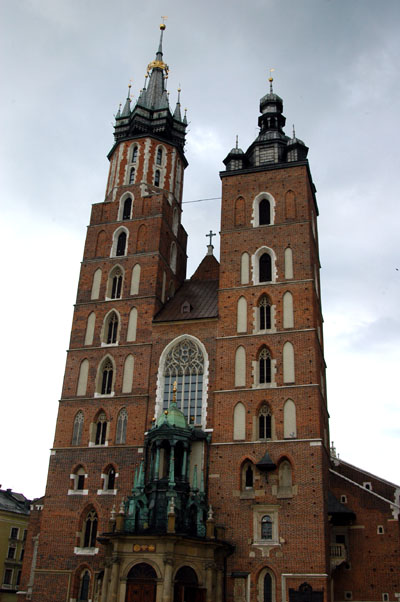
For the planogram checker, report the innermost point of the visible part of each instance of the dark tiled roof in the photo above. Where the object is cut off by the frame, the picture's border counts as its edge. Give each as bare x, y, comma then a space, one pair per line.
13, 502
198, 296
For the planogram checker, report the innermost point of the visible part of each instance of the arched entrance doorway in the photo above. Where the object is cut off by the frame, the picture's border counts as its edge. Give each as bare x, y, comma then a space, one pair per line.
141, 584
186, 587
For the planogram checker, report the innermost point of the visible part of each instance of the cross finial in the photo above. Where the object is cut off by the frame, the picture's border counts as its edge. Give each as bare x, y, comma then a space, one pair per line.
237, 141
271, 79
294, 132
211, 234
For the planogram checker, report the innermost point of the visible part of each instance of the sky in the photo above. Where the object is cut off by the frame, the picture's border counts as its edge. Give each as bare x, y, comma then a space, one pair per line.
65, 67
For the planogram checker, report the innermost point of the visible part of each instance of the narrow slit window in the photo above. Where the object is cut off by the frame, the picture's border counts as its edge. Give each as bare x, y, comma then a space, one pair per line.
265, 366
106, 378
126, 214
265, 314
132, 176
121, 244
157, 178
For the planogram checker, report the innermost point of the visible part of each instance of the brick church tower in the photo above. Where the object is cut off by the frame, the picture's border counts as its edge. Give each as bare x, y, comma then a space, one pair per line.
191, 458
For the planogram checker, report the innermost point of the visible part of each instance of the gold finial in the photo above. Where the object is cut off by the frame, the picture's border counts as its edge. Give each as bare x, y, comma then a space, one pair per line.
165, 412
162, 26
174, 387
271, 79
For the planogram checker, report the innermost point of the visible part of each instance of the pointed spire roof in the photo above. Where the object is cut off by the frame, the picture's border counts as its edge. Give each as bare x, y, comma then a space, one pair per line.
155, 96
127, 108
177, 112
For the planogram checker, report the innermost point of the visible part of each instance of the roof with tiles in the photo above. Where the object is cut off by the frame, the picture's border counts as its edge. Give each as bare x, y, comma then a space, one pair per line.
13, 502
197, 298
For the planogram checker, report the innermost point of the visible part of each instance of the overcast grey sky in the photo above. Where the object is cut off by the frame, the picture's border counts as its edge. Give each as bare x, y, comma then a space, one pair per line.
65, 67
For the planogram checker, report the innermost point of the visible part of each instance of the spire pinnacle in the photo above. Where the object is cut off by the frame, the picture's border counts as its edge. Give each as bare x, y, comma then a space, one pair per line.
237, 141
294, 132
271, 79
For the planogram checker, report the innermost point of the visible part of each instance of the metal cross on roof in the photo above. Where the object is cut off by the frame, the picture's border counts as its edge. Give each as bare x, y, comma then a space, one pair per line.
211, 234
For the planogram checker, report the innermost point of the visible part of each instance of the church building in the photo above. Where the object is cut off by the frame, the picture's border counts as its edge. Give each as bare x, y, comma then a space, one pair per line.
191, 459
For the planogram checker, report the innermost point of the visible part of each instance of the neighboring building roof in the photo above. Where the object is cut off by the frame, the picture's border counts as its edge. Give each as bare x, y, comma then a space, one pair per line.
13, 502
339, 512
196, 299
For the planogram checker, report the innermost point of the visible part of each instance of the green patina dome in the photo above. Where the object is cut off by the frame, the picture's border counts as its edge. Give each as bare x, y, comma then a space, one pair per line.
173, 417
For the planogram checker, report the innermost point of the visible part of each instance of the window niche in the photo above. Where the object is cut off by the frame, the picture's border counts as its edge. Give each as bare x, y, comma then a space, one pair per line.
109, 477
264, 266
87, 536
264, 423
265, 527
125, 209
78, 428
285, 488
122, 423
264, 315
264, 369
263, 210
105, 378
247, 478
115, 283
110, 331
99, 430
78, 482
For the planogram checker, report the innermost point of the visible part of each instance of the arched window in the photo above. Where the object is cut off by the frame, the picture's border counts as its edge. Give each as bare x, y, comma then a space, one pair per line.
265, 422
134, 154
241, 319
109, 481
264, 310
127, 209
264, 362
266, 527
101, 429
115, 283
90, 530
240, 367
84, 583
132, 175
184, 364
267, 593
90, 328
239, 422
111, 328
121, 244
247, 476
79, 477
107, 373
83, 377
78, 428
265, 268
159, 156
122, 422
157, 178
264, 209
173, 257
96, 284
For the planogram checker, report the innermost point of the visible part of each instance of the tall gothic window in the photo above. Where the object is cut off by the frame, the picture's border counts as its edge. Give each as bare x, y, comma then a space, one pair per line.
101, 430
264, 308
78, 427
126, 213
106, 378
84, 587
264, 422
157, 178
116, 284
122, 422
134, 154
185, 365
265, 366
111, 329
266, 527
132, 176
265, 268
90, 530
264, 212
159, 156
121, 244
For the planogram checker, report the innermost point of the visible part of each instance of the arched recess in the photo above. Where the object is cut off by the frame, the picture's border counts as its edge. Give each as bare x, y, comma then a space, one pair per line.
264, 208
247, 475
135, 280
78, 428
289, 420
96, 284
285, 479
239, 422
82, 584
175, 221
90, 324
264, 265
83, 377
266, 586
288, 319
101, 244
240, 212
186, 585
132, 325
128, 374
187, 355
290, 205
173, 255
141, 242
122, 423
241, 318
244, 268
240, 367
288, 263
288, 363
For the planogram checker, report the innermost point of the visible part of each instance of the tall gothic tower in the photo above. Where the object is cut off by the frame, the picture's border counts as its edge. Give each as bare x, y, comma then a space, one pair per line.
191, 456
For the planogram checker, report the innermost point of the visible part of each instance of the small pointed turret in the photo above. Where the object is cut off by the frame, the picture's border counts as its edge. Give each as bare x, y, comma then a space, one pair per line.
177, 112
127, 108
